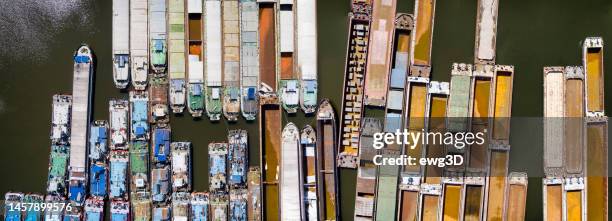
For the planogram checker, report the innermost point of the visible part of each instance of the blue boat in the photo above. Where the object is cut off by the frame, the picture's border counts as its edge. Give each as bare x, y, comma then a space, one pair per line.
238, 204
120, 210
94, 209
118, 174
98, 177
237, 157
217, 153
33, 214
139, 112
162, 213
161, 145
199, 206
12, 210
160, 185
98, 141
77, 190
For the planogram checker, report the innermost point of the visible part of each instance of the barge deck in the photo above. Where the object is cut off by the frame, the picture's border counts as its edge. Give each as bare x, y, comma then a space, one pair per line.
157, 37
486, 32
118, 188
231, 60
139, 43
327, 177
121, 43
195, 59
158, 105
217, 153
517, 196
213, 35
289, 179
139, 126
306, 43
270, 152
60, 119
118, 114
249, 67
308, 174
139, 166
238, 158
366, 183
176, 55
288, 85
423, 38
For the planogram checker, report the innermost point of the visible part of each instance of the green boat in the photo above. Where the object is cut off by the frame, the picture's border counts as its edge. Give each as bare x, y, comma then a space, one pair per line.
213, 103
139, 166
58, 163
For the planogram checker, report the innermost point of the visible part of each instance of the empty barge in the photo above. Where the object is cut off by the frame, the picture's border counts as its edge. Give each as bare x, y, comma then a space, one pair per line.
270, 131
486, 32
327, 177
422, 39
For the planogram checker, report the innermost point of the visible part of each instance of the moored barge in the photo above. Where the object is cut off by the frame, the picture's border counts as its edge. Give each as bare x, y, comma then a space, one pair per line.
139, 109
118, 175
270, 151
94, 209
249, 53
12, 201
139, 166
238, 204
308, 174
288, 84
118, 114
306, 43
422, 38
218, 206
176, 55
33, 214
139, 43
141, 206
58, 170
121, 43
180, 206
213, 35
181, 166
60, 119
195, 59
238, 157
217, 153
517, 196
119, 210
157, 36
327, 177
289, 179
199, 206
554, 93
231, 60
161, 146
254, 194
486, 32
52, 215
365, 191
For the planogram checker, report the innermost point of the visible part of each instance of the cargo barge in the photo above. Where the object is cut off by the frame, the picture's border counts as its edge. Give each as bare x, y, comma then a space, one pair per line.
139, 109
161, 146
219, 206
452, 183
355, 70
213, 35
217, 153
249, 53
94, 209
58, 169
517, 196
238, 157
574, 113
121, 43
60, 119
79, 124
33, 214
158, 105
176, 55
308, 174
238, 204
483, 94
254, 212
120, 210
118, 114
379, 56
12, 200
181, 166
195, 59
366, 184
157, 37
288, 84
139, 43
270, 151
593, 58
422, 39
180, 205
486, 32
199, 206
118, 175
98, 166
141, 206
161, 188
306, 61
139, 166
268, 51
289, 179
231, 60
327, 177
554, 108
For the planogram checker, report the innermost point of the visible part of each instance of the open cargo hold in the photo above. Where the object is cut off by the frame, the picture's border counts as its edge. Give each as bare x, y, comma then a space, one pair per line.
597, 168
195, 59
422, 39
270, 127
213, 36
517, 196
593, 59
365, 196
267, 45
327, 185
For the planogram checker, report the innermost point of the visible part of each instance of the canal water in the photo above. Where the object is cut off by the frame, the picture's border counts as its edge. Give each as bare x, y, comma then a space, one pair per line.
38, 38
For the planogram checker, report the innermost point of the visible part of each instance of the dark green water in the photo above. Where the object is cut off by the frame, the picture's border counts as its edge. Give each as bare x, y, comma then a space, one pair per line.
39, 37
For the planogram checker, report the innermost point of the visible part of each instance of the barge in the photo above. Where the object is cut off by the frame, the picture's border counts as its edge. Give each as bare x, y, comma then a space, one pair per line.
217, 153
160, 185
161, 146
139, 166
289, 179
213, 35
238, 204
366, 183
181, 166
141, 206
308, 174
355, 70
327, 177
176, 55
270, 151
238, 157
94, 209
517, 196
60, 119
268, 51
249, 53
486, 32
121, 43
306, 43
452, 183
288, 84
218, 206
254, 194
98, 142
574, 113
231, 60
139, 109
180, 205
157, 37
593, 58
483, 94
422, 38
98, 179
12, 200
118, 114
199, 206
118, 175
33, 214
58, 170
158, 105
554, 94
379, 56
162, 213
139, 43
195, 59
120, 210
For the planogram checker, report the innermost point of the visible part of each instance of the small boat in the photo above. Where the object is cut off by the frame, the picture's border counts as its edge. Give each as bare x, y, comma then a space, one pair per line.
181, 166
139, 166
98, 178
33, 214
249, 53
12, 208
199, 206
160, 184
60, 120
254, 194
213, 61
52, 215
58, 168
231, 60
306, 30
195, 63
157, 36
118, 109
218, 206
238, 157
289, 176
238, 204
98, 142
120, 210
121, 42
176, 55
118, 174
141, 206
308, 174
139, 43
94, 209
217, 153
139, 127
162, 212
161, 146
158, 105
180, 206
327, 178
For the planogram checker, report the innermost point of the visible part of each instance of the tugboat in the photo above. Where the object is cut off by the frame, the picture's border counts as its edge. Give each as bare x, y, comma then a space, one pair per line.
308, 173
157, 36
199, 206
139, 166
33, 214
327, 178
118, 109
94, 209
161, 146
52, 215
180, 205
141, 206
249, 53
138, 119
237, 157
121, 42
12, 210
181, 166
120, 210
118, 174
158, 107
217, 153
60, 120
195, 63
238, 204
